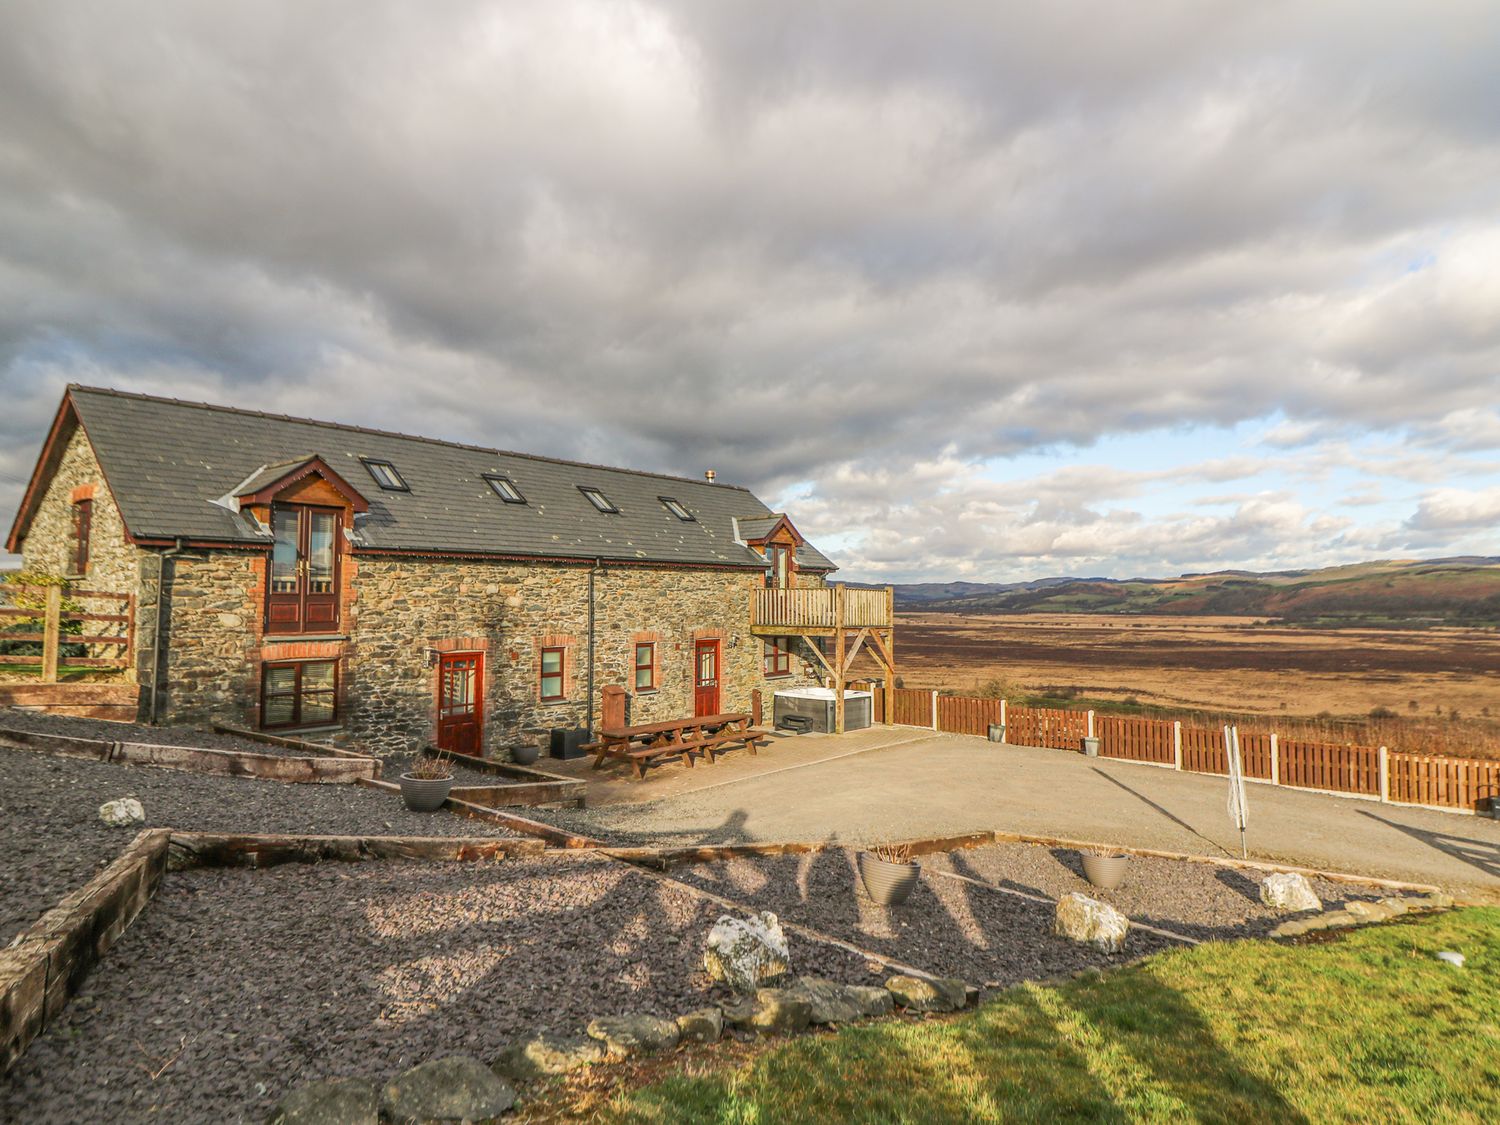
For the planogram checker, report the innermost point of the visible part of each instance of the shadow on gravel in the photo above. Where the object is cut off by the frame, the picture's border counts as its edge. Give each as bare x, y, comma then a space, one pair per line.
1173, 817
1240, 883
1485, 857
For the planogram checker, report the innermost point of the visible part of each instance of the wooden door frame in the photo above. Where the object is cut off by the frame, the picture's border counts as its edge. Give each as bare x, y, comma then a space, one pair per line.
464, 654
304, 537
718, 647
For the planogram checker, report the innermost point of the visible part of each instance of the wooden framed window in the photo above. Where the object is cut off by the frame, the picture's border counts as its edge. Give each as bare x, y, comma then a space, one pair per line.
299, 694
645, 666
83, 522
553, 685
778, 566
776, 657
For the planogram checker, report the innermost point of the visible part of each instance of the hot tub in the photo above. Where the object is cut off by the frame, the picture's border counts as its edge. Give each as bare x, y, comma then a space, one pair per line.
817, 703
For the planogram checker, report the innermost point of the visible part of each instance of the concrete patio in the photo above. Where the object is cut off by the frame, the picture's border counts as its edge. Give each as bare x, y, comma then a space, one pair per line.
903, 782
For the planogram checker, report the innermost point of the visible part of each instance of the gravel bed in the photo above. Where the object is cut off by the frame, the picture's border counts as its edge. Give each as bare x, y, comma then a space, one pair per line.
53, 841
946, 926
107, 730
1197, 899
264, 980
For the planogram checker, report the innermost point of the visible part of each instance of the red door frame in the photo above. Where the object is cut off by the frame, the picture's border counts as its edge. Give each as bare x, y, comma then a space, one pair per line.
706, 692
460, 731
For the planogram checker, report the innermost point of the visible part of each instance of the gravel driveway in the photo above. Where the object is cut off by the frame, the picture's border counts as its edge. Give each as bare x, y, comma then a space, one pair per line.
53, 840
264, 980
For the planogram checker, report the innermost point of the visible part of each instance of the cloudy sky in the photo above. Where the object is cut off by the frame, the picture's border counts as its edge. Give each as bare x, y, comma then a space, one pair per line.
976, 293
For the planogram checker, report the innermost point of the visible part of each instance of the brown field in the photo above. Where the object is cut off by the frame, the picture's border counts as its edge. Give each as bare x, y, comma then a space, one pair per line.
1220, 665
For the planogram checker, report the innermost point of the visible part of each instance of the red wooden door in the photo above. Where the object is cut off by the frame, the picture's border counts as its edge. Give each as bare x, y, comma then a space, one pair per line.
460, 722
705, 677
302, 595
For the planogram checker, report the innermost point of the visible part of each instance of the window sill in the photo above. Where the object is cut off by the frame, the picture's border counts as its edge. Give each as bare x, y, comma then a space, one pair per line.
301, 638
646, 690
778, 675
324, 729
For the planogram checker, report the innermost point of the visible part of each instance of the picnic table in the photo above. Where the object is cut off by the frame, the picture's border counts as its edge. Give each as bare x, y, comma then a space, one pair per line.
689, 737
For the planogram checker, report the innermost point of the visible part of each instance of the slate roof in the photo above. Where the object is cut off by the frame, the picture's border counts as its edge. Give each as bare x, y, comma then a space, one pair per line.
168, 461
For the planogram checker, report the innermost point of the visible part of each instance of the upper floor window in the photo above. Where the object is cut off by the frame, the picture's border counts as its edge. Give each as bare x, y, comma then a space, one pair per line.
778, 565
677, 509
505, 488
599, 500
302, 591
83, 522
385, 475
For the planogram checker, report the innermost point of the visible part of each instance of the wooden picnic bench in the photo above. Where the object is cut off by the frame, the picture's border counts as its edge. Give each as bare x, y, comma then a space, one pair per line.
699, 735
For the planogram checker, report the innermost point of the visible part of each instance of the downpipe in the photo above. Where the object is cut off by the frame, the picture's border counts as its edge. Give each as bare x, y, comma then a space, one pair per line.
589, 718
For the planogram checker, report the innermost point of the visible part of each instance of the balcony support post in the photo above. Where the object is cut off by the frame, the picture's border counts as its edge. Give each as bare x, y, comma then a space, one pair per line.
838, 658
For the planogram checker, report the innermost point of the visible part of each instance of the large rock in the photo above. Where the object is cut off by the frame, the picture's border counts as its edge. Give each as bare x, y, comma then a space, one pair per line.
635, 1034
746, 953
921, 994
122, 813
1289, 892
770, 1010
456, 1088
548, 1054
703, 1025
1091, 922
342, 1101
1370, 911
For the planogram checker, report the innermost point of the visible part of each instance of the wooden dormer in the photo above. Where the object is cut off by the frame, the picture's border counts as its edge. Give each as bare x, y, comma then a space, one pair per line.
778, 542
304, 480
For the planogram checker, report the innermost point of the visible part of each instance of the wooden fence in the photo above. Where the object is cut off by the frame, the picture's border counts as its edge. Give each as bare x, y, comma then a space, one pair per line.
1468, 784
98, 626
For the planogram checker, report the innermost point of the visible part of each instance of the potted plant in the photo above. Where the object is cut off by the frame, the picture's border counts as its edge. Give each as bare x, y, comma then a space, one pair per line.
425, 786
888, 872
526, 753
1105, 867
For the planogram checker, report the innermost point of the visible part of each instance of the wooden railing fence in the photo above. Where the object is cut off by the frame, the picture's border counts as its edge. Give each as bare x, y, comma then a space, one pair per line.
1465, 784
97, 627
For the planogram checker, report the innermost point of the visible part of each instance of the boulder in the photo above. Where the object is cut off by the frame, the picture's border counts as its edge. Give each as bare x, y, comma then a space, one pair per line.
746, 953
829, 1001
548, 1054
341, 1101
634, 1034
1395, 904
1295, 928
872, 1001
122, 813
703, 1025
939, 994
1424, 903
456, 1088
1289, 892
1091, 922
770, 1010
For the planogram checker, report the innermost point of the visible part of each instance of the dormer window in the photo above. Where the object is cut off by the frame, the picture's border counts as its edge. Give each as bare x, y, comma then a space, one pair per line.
677, 509
505, 488
385, 475
599, 500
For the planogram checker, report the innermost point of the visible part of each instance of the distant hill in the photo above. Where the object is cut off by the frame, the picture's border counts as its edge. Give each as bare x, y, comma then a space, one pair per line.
1391, 592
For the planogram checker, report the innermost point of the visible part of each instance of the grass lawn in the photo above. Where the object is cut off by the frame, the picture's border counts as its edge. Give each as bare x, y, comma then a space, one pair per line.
1369, 1027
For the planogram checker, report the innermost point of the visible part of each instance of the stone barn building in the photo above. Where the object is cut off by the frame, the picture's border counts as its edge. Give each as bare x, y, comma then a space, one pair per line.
393, 591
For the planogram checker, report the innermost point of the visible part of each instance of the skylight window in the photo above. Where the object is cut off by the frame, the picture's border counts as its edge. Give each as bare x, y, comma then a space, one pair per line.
385, 475
599, 500
505, 488
677, 509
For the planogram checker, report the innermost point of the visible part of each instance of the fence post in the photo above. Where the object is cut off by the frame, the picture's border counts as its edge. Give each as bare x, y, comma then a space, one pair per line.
1091, 724
1385, 775
1275, 761
1177, 746
50, 630
934, 711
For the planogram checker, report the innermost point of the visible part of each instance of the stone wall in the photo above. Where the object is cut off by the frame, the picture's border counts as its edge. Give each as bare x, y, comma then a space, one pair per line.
401, 613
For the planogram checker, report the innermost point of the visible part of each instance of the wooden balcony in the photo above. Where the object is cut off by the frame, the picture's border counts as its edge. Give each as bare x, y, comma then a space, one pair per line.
820, 610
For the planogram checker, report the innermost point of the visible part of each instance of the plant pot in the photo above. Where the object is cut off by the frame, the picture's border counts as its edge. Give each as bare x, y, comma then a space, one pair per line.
525, 753
887, 883
1105, 871
997, 732
1091, 747
425, 794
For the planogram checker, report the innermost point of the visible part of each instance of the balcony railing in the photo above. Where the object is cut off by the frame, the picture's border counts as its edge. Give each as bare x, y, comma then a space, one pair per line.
821, 608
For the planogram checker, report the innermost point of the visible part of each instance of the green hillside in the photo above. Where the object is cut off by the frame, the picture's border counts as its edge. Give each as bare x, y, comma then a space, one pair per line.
1385, 593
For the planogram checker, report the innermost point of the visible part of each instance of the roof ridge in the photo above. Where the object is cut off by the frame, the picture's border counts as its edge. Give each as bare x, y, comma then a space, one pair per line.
73, 387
